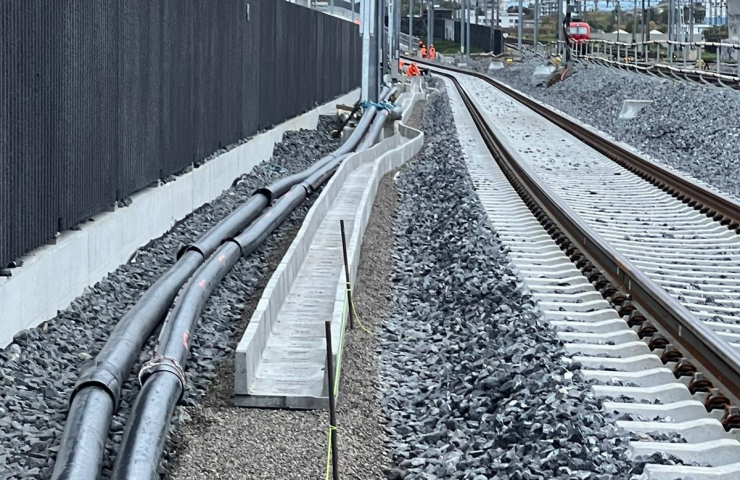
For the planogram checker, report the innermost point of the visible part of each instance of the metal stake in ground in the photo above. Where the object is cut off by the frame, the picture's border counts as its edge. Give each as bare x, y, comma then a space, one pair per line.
332, 408
350, 306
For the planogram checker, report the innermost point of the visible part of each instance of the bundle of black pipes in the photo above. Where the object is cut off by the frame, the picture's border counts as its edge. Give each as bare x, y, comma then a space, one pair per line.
97, 393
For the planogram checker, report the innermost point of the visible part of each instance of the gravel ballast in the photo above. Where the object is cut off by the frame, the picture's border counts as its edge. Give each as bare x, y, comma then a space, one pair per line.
474, 384
38, 370
693, 128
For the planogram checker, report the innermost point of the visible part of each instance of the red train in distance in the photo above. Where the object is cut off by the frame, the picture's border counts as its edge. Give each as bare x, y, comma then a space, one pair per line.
579, 31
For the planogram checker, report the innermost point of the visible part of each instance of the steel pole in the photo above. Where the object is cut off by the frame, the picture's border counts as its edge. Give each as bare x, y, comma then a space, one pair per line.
670, 30
536, 22
411, 25
430, 23
467, 31
691, 20
463, 7
382, 43
368, 23
634, 22
560, 26
520, 30
393, 29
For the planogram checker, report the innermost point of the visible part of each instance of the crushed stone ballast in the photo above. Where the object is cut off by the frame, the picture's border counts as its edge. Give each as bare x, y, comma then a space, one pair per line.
612, 354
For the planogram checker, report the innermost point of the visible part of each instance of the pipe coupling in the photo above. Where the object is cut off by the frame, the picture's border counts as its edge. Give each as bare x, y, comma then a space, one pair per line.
103, 376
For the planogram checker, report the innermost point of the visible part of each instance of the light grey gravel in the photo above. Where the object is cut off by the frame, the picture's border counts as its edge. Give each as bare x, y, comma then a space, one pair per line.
475, 384
38, 370
695, 129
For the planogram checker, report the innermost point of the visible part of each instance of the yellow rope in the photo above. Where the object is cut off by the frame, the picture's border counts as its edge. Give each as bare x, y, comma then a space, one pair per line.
345, 311
328, 451
354, 309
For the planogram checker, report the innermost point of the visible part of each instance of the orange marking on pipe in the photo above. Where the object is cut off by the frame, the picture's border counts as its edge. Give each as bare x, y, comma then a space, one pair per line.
202, 283
185, 337
222, 258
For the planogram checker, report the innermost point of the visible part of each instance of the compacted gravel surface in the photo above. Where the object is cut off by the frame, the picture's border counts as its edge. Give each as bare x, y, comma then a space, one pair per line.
475, 385
695, 129
38, 370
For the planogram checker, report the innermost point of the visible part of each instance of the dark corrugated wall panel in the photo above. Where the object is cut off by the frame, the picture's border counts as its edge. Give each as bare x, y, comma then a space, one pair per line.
101, 98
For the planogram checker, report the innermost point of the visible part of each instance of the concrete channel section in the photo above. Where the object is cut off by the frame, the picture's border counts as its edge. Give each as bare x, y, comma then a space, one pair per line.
281, 359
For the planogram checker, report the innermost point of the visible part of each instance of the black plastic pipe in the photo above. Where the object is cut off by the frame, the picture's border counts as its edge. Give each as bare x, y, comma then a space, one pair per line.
83, 441
97, 392
163, 376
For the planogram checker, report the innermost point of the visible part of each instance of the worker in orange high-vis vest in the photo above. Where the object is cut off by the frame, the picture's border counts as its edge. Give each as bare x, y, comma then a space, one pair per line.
400, 65
413, 71
423, 51
432, 52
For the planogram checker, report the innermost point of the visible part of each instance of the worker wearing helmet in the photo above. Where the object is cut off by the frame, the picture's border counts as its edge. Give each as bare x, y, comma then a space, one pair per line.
432, 52
423, 51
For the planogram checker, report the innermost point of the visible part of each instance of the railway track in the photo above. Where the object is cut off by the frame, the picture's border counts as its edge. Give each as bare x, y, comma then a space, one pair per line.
702, 77
643, 292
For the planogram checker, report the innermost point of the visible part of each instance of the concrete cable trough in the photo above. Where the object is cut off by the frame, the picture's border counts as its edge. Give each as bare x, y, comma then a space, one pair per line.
634, 376
281, 359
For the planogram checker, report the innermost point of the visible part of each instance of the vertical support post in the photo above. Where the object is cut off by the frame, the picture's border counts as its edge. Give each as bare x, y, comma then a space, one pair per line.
463, 8
719, 59
698, 55
692, 6
520, 31
647, 34
498, 13
332, 406
642, 32
536, 23
634, 22
394, 27
397, 35
670, 30
411, 25
560, 27
350, 305
368, 31
382, 43
467, 31
430, 22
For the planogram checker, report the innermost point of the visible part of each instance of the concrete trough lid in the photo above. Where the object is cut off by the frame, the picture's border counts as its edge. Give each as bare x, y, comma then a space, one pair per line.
631, 108
495, 65
542, 74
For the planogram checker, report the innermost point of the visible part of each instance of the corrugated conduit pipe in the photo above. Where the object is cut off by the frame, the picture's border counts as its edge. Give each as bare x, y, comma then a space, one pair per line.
97, 392
163, 380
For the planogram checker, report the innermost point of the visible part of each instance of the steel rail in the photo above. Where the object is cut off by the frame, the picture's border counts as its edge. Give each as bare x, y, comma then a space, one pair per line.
723, 209
714, 354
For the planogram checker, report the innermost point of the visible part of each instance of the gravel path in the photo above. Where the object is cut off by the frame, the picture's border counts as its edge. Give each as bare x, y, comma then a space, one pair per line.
475, 385
38, 370
691, 128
